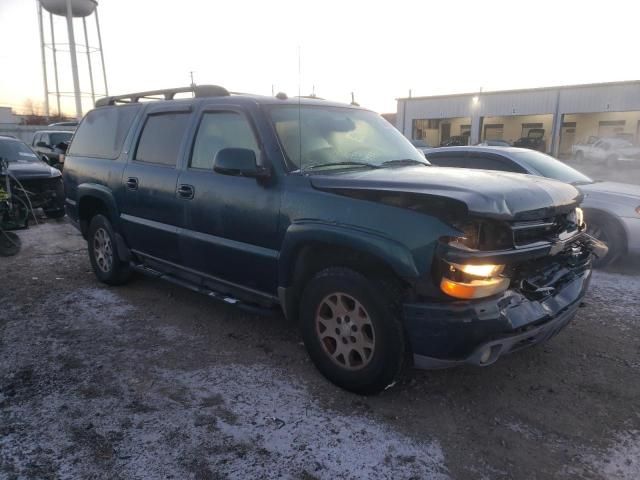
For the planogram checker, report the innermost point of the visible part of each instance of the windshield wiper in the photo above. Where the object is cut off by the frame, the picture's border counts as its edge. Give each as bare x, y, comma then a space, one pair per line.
345, 164
404, 161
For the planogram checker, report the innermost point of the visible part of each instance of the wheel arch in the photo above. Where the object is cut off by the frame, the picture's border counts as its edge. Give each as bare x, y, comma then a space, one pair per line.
308, 249
95, 199
609, 215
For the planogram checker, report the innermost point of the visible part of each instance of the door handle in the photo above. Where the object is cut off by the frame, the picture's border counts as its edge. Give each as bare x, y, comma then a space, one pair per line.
132, 183
186, 191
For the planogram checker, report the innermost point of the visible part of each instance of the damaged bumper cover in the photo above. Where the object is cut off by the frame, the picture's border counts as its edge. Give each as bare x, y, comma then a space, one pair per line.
478, 332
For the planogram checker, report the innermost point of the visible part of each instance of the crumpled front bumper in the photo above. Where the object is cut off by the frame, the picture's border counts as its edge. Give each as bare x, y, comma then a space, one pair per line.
478, 332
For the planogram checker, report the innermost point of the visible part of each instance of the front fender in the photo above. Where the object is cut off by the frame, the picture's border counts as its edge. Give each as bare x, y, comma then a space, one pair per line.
304, 232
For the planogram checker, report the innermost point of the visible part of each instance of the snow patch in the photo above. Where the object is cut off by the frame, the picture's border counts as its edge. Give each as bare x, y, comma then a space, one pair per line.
622, 459
266, 427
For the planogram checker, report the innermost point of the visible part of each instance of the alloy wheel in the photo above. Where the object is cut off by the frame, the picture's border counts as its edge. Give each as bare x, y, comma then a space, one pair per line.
345, 331
103, 250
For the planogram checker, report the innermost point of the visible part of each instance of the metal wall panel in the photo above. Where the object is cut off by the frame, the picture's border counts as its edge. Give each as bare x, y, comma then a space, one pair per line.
601, 98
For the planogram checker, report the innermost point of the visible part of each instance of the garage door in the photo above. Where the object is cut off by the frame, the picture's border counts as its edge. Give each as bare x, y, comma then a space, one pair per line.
493, 131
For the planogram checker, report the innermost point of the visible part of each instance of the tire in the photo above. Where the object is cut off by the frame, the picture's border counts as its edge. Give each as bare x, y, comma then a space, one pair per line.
579, 156
103, 253
606, 229
341, 305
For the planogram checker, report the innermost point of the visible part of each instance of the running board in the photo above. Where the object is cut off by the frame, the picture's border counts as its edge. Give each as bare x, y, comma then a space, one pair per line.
229, 300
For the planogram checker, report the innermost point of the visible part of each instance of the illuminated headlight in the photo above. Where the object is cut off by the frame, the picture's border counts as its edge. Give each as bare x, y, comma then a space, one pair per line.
482, 271
473, 281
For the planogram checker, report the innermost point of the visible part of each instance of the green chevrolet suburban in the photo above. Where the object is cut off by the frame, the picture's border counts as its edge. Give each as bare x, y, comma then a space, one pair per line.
326, 212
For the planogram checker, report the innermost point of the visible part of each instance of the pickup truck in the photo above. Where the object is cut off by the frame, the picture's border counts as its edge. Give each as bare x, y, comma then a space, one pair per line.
533, 141
611, 151
327, 213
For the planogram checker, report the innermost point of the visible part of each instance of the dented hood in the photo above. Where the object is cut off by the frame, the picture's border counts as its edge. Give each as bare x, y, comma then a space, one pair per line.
505, 196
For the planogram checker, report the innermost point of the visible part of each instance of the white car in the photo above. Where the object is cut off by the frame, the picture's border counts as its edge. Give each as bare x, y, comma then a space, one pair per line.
607, 150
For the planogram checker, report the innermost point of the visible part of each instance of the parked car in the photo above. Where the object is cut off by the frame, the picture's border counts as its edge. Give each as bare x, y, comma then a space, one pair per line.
421, 145
456, 140
611, 209
533, 141
34, 182
494, 143
611, 151
52, 145
327, 212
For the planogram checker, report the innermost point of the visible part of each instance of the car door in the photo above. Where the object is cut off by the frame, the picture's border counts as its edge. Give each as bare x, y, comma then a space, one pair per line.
43, 146
231, 231
599, 150
151, 213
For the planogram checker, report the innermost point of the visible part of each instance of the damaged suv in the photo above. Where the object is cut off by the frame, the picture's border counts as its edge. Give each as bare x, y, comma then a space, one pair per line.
327, 212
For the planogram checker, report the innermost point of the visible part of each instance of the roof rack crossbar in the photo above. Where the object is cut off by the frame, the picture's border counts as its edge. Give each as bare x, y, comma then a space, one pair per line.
167, 94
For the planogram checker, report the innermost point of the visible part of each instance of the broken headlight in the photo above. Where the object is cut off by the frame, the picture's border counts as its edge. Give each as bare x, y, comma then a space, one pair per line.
482, 235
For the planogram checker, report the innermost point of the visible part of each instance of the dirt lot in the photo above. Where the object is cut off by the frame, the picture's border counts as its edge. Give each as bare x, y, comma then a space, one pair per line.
154, 381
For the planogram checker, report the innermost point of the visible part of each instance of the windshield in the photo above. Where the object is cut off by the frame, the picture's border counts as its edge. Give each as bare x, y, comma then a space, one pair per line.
549, 167
333, 136
15, 151
61, 137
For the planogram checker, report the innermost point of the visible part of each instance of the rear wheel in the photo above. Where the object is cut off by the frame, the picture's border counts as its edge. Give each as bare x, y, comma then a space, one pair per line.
607, 230
352, 330
612, 161
105, 261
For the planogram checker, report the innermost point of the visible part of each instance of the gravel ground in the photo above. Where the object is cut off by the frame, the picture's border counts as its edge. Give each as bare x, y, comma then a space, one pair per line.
154, 381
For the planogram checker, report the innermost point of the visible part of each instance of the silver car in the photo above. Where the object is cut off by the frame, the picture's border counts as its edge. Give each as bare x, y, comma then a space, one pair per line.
612, 209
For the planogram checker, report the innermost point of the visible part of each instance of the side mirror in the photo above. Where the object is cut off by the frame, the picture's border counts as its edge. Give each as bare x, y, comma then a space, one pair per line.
41, 144
238, 162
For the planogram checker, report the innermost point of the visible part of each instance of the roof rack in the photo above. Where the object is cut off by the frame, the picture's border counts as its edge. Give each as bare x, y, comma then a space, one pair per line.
167, 94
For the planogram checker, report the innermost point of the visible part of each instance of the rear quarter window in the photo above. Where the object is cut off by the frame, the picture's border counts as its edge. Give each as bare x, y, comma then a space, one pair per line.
102, 132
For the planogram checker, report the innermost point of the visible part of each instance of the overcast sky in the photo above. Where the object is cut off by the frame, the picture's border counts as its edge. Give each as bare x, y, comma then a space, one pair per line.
378, 49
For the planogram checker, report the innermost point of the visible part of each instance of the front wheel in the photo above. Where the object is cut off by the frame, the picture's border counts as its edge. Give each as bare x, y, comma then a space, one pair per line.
352, 330
105, 261
607, 230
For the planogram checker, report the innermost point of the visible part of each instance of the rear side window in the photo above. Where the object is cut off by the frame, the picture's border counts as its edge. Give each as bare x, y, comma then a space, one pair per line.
220, 130
448, 160
161, 138
102, 132
484, 162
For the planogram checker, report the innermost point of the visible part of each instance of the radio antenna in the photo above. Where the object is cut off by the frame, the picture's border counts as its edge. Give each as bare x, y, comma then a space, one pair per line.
299, 106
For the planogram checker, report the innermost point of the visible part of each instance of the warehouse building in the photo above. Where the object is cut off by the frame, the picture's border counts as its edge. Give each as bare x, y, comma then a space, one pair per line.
567, 114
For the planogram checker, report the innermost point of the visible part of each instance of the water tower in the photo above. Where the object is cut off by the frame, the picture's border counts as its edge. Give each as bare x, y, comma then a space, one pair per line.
71, 10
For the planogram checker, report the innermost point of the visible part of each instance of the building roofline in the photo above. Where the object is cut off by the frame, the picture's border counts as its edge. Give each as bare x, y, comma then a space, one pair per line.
521, 90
